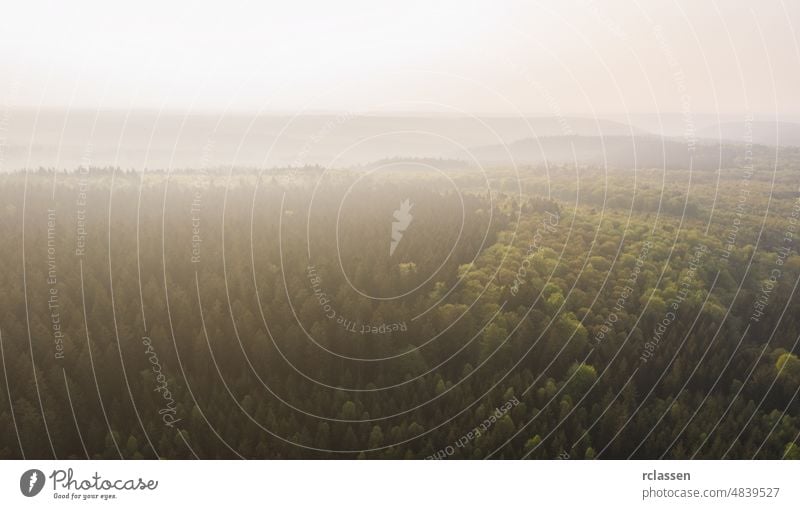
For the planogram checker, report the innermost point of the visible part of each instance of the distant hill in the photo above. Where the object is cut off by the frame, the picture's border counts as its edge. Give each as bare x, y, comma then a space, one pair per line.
613, 151
760, 132
153, 140
417, 163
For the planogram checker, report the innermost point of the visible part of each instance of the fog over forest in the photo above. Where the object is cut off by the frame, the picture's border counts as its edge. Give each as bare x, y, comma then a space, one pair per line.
436, 230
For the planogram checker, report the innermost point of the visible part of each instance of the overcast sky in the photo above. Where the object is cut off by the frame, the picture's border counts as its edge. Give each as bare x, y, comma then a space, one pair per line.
494, 57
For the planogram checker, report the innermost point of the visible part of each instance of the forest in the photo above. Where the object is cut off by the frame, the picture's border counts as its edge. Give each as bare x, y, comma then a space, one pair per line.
402, 311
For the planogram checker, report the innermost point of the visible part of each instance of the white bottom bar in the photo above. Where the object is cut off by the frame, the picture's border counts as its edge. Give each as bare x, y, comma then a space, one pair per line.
410, 484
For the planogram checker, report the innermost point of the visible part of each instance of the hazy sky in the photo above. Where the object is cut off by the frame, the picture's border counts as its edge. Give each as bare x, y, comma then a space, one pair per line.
549, 57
